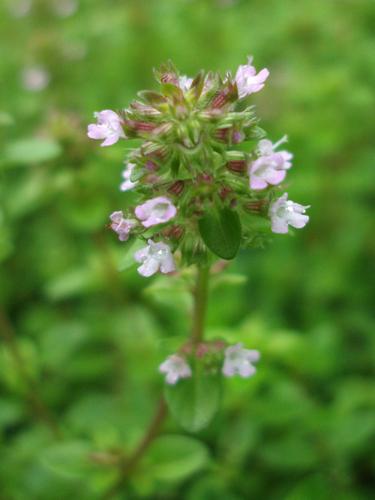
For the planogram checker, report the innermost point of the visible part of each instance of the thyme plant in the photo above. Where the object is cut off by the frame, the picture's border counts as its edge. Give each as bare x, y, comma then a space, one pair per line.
207, 183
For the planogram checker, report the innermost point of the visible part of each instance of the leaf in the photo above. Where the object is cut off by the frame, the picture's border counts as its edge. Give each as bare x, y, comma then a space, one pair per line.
228, 279
10, 412
137, 173
170, 90
153, 98
197, 84
70, 459
127, 259
176, 457
32, 150
221, 232
193, 402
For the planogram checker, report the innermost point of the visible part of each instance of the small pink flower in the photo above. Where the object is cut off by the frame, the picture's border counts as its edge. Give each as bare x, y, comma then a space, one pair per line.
155, 257
270, 167
248, 81
284, 213
238, 361
155, 211
108, 127
175, 367
121, 226
128, 184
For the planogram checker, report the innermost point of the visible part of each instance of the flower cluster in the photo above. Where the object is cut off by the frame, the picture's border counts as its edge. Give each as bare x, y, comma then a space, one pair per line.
237, 361
202, 169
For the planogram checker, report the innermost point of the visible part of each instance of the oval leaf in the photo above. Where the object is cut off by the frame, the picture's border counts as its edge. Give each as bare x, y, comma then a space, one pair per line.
70, 459
33, 150
193, 402
175, 457
221, 232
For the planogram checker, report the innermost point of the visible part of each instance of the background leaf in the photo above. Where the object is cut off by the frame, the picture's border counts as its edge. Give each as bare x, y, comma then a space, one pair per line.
33, 150
174, 457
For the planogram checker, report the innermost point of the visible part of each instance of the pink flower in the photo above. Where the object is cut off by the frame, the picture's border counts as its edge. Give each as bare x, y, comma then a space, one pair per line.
284, 213
248, 81
108, 127
121, 226
155, 211
175, 367
238, 361
270, 167
155, 257
128, 184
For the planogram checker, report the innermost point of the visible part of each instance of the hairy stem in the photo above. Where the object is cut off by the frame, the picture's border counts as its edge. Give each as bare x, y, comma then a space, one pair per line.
38, 407
200, 296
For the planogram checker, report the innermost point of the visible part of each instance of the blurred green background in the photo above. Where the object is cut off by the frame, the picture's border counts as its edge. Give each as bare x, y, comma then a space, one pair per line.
86, 339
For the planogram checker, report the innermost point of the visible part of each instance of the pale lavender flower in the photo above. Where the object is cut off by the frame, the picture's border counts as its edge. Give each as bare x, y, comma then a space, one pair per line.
35, 78
270, 167
155, 257
284, 213
128, 184
65, 8
238, 361
185, 82
19, 8
248, 81
175, 367
121, 226
155, 211
108, 127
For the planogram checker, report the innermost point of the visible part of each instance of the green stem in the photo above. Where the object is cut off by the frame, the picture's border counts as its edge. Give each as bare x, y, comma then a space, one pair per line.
200, 296
128, 464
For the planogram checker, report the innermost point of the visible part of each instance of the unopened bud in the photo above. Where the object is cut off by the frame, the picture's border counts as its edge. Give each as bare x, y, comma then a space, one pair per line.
255, 206
177, 187
224, 96
237, 166
174, 232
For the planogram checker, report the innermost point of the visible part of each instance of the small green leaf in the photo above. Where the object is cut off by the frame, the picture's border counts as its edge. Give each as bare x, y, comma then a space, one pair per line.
69, 459
33, 150
228, 279
175, 457
170, 90
194, 401
221, 232
137, 173
153, 98
127, 259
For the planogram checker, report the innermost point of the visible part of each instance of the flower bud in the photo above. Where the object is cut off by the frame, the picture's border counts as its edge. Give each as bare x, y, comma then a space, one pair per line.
177, 188
237, 166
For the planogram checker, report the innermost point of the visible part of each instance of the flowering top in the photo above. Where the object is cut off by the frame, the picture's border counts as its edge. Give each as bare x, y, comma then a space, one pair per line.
202, 171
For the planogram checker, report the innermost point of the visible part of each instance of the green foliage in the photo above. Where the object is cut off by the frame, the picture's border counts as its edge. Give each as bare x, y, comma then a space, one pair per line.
194, 401
91, 338
221, 232
173, 458
29, 151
